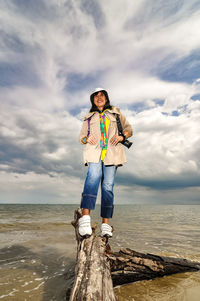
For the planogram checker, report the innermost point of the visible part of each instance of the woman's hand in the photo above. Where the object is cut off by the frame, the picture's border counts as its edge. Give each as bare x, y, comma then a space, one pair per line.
91, 140
116, 139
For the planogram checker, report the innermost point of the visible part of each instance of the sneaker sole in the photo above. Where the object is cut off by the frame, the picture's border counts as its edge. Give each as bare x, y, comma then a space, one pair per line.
85, 236
106, 235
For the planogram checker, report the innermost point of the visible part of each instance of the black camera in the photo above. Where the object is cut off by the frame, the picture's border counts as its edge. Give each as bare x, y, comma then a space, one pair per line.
127, 143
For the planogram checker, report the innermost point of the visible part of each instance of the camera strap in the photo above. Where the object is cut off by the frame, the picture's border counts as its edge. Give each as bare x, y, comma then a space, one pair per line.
120, 132
119, 125
88, 134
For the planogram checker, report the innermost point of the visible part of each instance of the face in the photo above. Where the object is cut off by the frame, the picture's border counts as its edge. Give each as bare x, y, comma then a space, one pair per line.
99, 99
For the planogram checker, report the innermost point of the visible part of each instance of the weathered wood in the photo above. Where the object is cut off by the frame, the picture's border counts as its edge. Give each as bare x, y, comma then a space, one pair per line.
129, 266
98, 269
92, 273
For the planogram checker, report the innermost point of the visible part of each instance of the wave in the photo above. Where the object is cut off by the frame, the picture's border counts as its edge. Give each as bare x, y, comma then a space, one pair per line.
32, 226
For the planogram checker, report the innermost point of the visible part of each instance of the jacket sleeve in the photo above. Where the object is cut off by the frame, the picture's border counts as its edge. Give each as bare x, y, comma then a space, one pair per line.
84, 131
126, 126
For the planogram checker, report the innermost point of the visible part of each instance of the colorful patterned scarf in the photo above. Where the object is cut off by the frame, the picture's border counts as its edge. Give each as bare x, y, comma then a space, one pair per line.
104, 136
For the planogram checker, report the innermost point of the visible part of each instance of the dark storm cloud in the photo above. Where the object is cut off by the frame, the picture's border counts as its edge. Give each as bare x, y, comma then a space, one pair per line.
29, 146
172, 183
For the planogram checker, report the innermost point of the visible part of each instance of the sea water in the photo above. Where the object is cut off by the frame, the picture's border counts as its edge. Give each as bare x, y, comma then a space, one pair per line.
38, 249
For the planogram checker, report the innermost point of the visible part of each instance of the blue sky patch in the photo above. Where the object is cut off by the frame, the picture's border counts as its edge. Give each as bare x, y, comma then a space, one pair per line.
141, 106
77, 81
195, 97
184, 70
18, 74
175, 113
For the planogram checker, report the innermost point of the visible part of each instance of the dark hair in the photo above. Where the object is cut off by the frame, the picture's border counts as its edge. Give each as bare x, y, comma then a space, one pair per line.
107, 104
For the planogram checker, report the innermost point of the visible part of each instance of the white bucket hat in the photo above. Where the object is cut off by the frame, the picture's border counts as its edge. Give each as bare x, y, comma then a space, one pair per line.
97, 90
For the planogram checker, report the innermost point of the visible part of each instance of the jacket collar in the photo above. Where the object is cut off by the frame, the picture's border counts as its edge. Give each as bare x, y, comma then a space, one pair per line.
114, 110
88, 115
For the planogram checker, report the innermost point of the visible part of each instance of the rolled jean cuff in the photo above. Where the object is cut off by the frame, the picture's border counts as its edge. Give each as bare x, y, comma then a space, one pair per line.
107, 211
88, 201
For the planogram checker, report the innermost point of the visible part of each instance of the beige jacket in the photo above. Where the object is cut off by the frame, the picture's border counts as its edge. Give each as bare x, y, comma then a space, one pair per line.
115, 154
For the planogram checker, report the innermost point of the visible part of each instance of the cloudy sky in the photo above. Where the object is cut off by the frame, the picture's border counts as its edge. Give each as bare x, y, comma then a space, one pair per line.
53, 53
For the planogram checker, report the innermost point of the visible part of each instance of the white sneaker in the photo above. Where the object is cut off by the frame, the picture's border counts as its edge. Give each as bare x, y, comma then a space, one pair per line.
84, 228
106, 230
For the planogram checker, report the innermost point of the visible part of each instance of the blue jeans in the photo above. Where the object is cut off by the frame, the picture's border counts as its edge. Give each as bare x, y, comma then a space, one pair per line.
106, 174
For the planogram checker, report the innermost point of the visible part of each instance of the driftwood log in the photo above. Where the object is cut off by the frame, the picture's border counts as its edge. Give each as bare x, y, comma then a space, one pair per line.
98, 269
92, 273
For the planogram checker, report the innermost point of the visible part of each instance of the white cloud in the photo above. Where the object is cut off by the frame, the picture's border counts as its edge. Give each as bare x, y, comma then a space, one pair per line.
126, 89
165, 147
37, 188
54, 53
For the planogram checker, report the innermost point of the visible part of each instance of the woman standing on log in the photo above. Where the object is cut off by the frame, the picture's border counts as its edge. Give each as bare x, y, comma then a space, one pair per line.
103, 152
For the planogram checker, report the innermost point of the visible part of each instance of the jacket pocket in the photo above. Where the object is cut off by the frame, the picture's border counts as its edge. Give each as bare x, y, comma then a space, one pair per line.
113, 130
